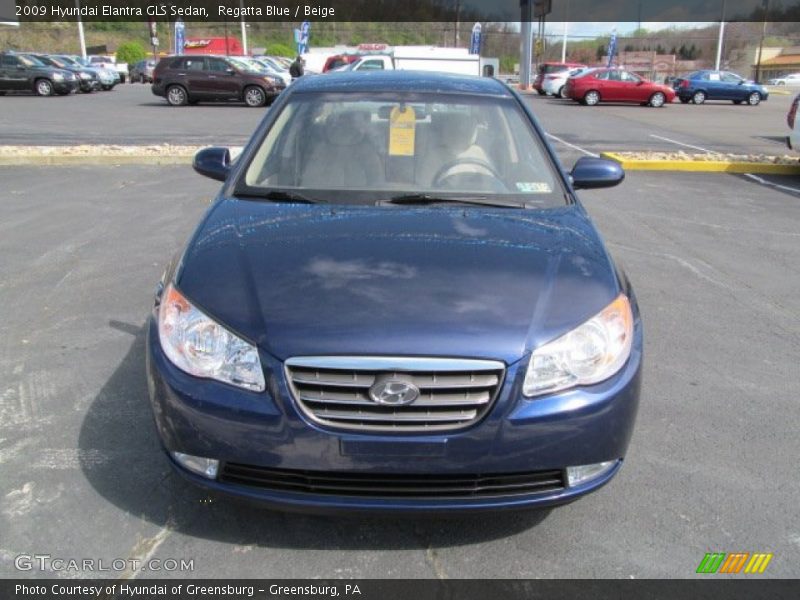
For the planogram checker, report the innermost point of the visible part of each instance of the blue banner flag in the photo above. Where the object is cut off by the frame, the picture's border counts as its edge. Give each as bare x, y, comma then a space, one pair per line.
475, 40
612, 49
180, 36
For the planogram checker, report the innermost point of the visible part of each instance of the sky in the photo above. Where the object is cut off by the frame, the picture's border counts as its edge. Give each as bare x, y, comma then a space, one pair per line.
576, 28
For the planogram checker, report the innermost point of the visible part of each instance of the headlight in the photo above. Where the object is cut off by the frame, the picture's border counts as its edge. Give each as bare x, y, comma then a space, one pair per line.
588, 354
202, 347
58, 76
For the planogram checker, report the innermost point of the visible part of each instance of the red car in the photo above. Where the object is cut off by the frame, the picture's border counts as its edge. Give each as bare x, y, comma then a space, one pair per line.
549, 68
617, 85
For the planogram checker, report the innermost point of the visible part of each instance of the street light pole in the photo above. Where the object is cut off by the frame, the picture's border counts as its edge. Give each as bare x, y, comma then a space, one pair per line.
80, 30
244, 27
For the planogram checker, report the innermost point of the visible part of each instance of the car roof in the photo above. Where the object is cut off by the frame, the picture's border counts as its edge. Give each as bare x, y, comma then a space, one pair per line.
400, 81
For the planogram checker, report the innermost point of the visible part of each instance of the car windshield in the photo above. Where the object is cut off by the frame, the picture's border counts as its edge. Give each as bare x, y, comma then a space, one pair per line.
358, 148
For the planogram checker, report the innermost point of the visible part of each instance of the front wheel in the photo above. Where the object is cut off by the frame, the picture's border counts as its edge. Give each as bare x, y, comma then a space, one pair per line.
177, 96
699, 97
562, 92
44, 87
754, 99
657, 100
254, 96
591, 98
541, 92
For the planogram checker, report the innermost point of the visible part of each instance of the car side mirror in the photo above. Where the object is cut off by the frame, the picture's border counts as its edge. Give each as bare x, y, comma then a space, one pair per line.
213, 162
20, 67
230, 71
590, 172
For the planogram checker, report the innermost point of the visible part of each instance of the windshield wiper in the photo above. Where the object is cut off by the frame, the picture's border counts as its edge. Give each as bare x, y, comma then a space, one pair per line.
282, 196
432, 199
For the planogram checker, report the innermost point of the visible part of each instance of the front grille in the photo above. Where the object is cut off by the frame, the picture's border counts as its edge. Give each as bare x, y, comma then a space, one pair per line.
393, 486
335, 391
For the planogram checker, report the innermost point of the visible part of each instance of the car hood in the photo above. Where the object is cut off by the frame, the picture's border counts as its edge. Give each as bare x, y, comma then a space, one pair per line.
435, 281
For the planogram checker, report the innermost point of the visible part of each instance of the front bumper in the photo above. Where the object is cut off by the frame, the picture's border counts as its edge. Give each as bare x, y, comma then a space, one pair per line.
66, 86
577, 427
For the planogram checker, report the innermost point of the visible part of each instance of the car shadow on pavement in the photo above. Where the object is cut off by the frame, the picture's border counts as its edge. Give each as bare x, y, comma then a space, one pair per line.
136, 477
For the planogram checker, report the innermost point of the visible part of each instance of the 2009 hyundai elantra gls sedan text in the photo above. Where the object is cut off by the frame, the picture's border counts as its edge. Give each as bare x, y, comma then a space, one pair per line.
396, 303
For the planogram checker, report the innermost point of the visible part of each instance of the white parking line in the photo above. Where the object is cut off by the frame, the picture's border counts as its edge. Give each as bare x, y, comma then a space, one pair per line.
666, 139
758, 179
573, 146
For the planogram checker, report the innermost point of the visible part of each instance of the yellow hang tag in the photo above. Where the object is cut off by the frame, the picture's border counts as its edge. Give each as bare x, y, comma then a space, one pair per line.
402, 127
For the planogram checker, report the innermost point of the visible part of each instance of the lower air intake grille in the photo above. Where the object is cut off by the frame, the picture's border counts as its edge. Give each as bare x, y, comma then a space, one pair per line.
344, 392
393, 486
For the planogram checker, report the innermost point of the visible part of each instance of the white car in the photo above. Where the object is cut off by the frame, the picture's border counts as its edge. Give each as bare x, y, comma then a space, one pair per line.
553, 84
792, 79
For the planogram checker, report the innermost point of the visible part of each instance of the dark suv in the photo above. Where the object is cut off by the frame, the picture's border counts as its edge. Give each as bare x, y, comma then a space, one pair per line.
88, 79
189, 79
20, 73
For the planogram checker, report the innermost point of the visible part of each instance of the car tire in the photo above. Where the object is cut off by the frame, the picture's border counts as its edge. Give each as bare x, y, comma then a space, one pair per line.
541, 92
699, 97
122, 78
562, 92
754, 99
254, 96
43, 87
657, 100
142, 79
591, 98
177, 95
684, 100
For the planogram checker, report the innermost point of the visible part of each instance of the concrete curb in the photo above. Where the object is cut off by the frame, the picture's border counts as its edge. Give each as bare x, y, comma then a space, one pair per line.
702, 166
100, 155
89, 160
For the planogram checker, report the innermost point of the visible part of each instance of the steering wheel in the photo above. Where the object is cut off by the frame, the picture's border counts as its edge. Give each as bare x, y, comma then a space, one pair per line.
443, 173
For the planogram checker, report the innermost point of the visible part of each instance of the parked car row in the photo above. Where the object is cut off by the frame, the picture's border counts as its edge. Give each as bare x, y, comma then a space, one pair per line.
189, 79
590, 86
52, 74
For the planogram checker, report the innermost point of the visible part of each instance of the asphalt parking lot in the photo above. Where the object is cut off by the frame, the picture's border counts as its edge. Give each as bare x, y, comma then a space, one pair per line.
131, 114
715, 260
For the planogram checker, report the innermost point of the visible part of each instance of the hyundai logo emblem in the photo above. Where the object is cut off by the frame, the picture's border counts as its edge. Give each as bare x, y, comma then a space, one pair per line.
392, 391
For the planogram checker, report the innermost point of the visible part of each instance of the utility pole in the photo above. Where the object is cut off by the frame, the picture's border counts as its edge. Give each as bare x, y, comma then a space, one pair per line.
761, 43
721, 38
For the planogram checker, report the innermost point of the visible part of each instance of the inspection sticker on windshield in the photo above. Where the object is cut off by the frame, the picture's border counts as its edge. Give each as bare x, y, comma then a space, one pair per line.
534, 187
402, 127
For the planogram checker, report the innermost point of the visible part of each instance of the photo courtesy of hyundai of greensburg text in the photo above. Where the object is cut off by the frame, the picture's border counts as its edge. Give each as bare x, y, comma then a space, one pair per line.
377, 300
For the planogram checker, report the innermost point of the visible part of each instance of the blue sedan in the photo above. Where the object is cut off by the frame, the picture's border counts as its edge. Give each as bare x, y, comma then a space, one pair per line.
700, 86
397, 303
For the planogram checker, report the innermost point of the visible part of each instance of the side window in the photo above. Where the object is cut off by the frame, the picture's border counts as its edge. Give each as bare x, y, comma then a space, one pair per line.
195, 64
217, 64
371, 65
614, 76
603, 75
713, 76
9, 61
629, 77
730, 78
